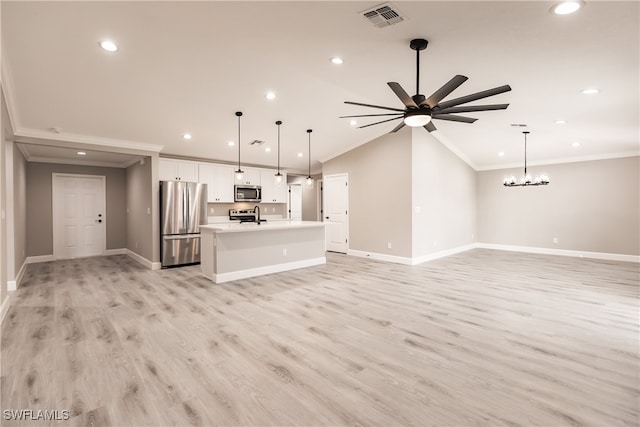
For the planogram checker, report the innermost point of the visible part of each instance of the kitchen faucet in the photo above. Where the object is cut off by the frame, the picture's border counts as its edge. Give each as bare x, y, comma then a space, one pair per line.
257, 209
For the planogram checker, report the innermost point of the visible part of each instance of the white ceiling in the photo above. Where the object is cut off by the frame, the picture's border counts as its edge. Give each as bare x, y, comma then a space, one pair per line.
189, 66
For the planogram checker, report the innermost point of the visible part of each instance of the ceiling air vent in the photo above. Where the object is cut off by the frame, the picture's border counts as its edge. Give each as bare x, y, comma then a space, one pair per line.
256, 142
383, 15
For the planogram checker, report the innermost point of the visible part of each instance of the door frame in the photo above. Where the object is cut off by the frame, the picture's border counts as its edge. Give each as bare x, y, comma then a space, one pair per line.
289, 185
348, 214
54, 204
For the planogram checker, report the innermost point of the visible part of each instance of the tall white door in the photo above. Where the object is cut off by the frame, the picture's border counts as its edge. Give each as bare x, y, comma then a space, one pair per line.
79, 220
336, 211
295, 201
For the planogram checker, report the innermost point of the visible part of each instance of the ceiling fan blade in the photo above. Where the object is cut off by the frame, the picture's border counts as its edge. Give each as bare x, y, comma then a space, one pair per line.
430, 126
403, 95
469, 108
475, 96
453, 118
373, 106
371, 115
377, 123
397, 128
445, 90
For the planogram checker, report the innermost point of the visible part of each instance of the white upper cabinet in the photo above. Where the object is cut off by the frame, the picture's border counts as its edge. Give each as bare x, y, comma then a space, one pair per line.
219, 180
251, 176
178, 170
272, 191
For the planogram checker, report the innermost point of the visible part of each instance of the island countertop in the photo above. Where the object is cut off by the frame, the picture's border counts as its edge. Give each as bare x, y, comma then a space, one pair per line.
263, 226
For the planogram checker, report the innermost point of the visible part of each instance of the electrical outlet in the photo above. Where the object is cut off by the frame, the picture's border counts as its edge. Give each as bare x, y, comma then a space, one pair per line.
211, 210
284, 251
418, 209
273, 209
148, 211
435, 243
555, 240
388, 245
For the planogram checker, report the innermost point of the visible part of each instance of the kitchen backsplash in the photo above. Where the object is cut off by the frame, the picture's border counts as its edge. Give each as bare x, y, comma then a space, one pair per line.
222, 209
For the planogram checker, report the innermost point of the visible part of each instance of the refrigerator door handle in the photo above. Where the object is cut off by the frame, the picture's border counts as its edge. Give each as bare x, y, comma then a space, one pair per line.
181, 236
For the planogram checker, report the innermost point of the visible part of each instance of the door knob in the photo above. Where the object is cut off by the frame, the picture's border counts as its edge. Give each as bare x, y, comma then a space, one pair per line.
327, 217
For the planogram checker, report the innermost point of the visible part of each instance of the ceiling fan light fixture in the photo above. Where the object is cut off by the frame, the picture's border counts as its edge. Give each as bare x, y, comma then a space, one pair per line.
416, 119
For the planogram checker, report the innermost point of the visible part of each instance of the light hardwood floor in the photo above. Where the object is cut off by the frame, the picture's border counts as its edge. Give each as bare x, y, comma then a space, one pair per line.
482, 338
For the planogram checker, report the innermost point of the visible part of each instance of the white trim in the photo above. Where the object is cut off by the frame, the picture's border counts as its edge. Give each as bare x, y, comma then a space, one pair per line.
85, 139
12, 285
4, 308
269, 269
442, 254
120, 251
39, 258
591, 158
142, 260
561, 252
380, 257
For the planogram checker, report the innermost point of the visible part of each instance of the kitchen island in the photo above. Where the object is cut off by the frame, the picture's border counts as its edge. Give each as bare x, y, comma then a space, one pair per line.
233, 251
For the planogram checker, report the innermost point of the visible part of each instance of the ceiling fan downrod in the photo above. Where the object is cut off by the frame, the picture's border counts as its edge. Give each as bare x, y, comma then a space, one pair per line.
418, 45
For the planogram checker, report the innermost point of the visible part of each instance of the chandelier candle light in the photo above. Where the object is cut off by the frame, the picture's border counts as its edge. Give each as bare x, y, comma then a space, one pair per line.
278, 175
309, 180
239, 173
526, 179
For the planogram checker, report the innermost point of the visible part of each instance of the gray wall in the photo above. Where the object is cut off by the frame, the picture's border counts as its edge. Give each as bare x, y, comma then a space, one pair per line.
139, 198
589, 206
6, 136
444, 189
39, 204
19, 209
379, 193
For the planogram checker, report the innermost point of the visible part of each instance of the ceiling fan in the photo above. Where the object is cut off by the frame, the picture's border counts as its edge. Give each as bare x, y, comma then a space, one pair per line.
420, 111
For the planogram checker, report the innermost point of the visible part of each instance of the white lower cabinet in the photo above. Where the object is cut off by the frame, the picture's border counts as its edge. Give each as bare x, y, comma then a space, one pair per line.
272, 191
219, 180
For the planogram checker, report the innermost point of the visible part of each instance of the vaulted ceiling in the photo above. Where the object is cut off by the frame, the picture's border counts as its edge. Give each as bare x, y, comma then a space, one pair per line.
187, 67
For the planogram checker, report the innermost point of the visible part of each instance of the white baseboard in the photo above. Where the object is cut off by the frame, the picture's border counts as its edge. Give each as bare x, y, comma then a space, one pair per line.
380, 257
561, 252
259, 271
4, 308
39, 258
13, 285
442, 254
142, 260
119, 251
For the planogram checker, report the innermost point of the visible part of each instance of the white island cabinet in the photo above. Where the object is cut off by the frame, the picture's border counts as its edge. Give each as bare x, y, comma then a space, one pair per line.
238, 251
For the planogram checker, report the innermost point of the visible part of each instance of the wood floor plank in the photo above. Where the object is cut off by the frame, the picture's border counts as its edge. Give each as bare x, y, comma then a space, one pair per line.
482, 338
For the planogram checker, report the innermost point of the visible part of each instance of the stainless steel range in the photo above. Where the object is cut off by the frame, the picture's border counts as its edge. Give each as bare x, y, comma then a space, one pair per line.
242, 215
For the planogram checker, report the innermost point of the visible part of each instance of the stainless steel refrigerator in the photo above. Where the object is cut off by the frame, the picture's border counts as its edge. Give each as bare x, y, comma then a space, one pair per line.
183, 209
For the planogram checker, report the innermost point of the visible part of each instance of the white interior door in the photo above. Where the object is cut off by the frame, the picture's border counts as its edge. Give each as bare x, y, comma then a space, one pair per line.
336, 211
79, 220
295, 201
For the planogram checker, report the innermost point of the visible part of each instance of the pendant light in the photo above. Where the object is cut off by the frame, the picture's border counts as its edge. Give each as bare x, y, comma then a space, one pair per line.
526, 179
278, 175
239, 173
309, 180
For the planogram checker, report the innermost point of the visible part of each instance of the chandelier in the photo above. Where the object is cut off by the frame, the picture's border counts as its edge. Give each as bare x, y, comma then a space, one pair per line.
527, 179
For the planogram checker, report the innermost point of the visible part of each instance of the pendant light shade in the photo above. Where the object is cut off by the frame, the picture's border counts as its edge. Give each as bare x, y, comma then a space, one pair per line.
309, 180
527, 179
239, 173
278, 175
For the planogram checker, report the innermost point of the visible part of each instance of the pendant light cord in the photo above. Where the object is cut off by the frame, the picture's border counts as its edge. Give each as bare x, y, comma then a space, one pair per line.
278, 123
309, 132
525, 152
238, 142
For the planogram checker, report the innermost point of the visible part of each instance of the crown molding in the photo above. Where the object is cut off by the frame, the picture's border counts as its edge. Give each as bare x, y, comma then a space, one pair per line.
559, 161
63, 139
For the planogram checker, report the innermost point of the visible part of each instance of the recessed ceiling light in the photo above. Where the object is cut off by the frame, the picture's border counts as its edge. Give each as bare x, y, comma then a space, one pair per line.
336, 60
267, 149
353, 122
566, 7
108, 45
561, 122
81, 153
299, 154
270, 95
575, 144
231, 143
501, 154
186, 136
590, 91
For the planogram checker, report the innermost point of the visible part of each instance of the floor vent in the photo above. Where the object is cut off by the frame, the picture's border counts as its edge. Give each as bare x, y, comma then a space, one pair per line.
383, 15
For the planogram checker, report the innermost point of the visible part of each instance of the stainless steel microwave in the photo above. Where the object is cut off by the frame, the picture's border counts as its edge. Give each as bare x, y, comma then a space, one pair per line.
247, 193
